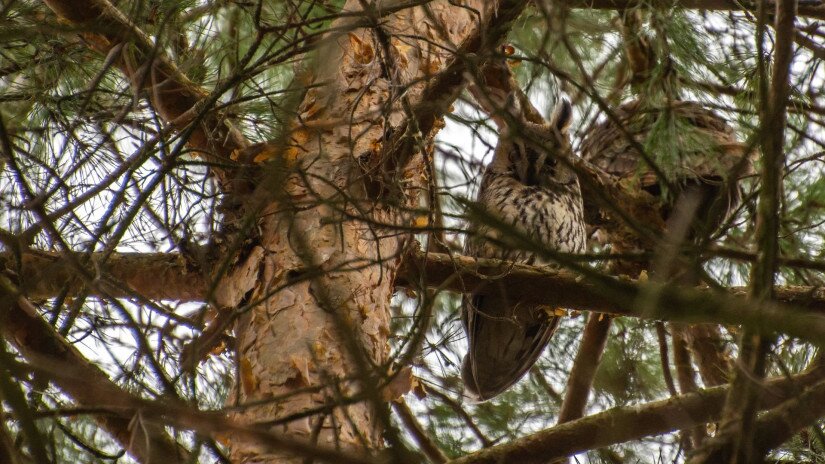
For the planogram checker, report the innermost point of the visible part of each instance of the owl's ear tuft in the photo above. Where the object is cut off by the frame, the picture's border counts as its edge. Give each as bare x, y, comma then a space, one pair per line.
562, 115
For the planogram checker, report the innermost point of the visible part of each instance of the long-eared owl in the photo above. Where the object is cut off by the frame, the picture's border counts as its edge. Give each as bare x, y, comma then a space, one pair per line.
532, 194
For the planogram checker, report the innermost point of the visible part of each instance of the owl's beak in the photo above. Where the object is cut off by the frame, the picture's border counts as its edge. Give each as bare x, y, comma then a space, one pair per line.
542, 158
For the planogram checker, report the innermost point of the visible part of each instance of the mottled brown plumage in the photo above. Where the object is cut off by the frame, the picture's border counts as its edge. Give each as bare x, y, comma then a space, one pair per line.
700, 153
703, 160
530, 190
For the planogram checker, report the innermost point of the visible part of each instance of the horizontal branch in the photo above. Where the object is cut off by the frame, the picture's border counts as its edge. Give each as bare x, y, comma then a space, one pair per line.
797, 310
812, 9
156, 276
553, 287
619, 425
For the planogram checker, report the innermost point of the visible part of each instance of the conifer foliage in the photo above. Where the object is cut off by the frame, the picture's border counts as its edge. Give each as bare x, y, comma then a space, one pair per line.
233, 231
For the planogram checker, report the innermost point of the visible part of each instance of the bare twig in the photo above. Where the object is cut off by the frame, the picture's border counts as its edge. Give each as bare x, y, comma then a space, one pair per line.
428, 446
38, 342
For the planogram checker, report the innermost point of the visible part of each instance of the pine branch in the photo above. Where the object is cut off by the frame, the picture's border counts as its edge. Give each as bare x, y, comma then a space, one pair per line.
708, 346
779, 424
580, 381
156, 276
428, 446
9, 451
661, 336
641, 58
797, 310
50, 355
619, 425
12, 393
811, 9
621, 296
463, 414
738, 426
178, 101
682, 360
156, 414
39, 343
687, 380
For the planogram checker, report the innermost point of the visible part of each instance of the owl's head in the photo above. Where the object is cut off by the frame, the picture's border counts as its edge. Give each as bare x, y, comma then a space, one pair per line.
534, 153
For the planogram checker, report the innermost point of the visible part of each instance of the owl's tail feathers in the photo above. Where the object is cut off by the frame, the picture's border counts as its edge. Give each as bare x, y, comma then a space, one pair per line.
503, 344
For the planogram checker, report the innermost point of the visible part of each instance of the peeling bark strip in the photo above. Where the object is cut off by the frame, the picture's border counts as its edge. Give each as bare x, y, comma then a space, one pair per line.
332, 331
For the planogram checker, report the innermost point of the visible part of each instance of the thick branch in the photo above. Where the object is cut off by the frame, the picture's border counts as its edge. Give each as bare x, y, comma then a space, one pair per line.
619, 425
686, 377
584, 369
812, 9
167, 276
157, 276
581, 377
595, 292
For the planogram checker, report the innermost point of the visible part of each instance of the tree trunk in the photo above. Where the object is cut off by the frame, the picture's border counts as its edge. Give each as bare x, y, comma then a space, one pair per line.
319, 275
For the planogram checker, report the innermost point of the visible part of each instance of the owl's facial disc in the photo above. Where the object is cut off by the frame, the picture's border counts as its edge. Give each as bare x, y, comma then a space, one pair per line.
537, 165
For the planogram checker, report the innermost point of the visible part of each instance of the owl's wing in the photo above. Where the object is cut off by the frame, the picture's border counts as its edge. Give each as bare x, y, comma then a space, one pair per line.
504, 340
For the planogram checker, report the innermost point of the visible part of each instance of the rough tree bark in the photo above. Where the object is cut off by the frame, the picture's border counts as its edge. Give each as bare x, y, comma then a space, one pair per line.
296, 333
300, 328
323, 339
